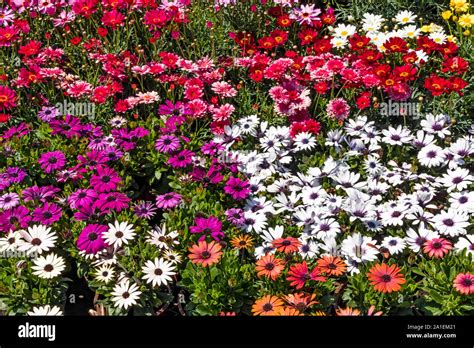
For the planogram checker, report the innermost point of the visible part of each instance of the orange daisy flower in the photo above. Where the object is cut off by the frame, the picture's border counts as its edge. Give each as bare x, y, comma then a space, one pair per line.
243, 241
269, 266
347, 312
386, 278
267, 305
287, 245
332, 265
205, 254
288, 312
301, 301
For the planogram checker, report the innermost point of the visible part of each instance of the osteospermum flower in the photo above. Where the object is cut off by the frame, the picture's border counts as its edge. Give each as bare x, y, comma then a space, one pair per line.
386, 278
51, 161
287, 245
332, 265
37, 239
437, 247
269, 266
167, 144
464, 283
125, 294
299, 274
158, 272
301, 301
348, 311
46, 310
243, 241
210, 226
119, 233
91, 239
49, 266
168, 200
205, 254
237, 188
267, 305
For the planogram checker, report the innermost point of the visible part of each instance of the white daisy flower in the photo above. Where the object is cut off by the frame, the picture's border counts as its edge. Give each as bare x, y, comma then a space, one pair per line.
451, 222
395, 245
46, 310
49, 266
119, 233
105, 273
37, 239
158, 272
125, 294
405, 17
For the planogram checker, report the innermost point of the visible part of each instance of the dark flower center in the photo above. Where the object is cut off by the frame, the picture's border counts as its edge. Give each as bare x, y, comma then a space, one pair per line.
448, 222
48, 268
269, 266
93, 236
205, 254
286, 242
119, 234
267, 307
386, 278
332, 266
126, 294
158, 272
106, 178
52, 160
36, 241
436, 245
467, 282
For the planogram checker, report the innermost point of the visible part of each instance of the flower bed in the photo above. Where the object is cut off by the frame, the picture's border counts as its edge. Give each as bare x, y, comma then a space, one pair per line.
235, 158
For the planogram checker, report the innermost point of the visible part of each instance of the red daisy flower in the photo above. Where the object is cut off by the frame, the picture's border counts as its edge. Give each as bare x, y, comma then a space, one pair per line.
386, 278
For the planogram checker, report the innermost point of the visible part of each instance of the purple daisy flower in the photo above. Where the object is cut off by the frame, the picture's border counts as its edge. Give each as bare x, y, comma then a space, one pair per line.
168, 200
145, 210
39, 193
105, 180
9, 200
90, 240
48, 113
113, 154
47, 214
117, 201
70, 126
235, 216
81, 198
14, 218
92, 158
167, 143
168, 108
212, 176
89, 212
51, 161
182, 159
208, 227
14, 175
237, 188
211, 148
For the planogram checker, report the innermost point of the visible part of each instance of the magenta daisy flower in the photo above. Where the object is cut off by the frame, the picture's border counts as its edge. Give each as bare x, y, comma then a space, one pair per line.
47, 214
182, 159
167, 143
208, 227
105, 180
211, 148
82, 197
117, 201
90, 240
15, 218
51, 161
237, 188
39, 193
168, 201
